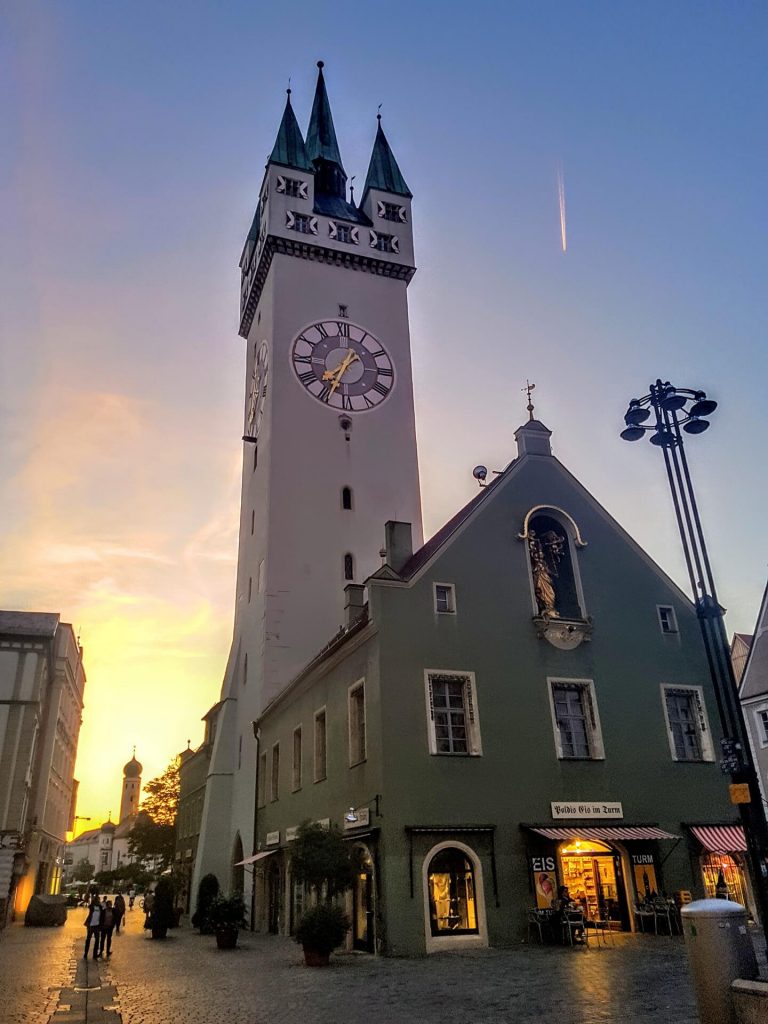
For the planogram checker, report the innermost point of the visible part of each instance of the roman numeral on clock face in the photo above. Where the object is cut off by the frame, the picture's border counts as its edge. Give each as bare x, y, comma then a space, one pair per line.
381, 388
385, 371
325, 394
302, 359
307, 377
343, 327
346, 402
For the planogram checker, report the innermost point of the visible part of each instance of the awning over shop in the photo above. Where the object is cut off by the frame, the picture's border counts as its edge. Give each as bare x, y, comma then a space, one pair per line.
607, 832
255, 857
721, 838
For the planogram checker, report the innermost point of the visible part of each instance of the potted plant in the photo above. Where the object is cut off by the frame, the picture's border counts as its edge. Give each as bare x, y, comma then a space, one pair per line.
320, 861
207, 891
225, 917
161, 915
321, 929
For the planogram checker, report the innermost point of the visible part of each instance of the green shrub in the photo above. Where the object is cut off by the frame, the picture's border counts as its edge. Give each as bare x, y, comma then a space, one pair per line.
322, 928
162, 908
226, 913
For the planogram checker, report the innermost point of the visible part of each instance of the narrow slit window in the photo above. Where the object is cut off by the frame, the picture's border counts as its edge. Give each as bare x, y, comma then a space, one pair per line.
349, 567
346, 498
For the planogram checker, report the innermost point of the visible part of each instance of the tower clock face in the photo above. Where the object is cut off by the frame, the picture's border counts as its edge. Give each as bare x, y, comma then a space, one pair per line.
257, 392
343, 365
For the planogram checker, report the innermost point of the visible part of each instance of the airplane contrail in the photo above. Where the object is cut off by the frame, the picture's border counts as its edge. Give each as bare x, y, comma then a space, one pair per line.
561, 200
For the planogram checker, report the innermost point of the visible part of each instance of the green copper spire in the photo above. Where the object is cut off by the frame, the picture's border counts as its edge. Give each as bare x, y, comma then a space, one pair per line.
289, 145
383, 172
322, 147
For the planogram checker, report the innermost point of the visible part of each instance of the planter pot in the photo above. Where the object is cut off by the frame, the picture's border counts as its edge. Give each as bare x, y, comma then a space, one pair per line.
226, 938
159, 931
314, 959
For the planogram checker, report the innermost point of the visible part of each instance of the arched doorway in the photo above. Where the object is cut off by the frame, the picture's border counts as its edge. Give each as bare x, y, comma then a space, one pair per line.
363, 918
453, 898
594, 875
238, 871
274, 896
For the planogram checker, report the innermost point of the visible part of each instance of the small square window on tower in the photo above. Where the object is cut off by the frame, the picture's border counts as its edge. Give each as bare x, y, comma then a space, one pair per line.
667, 618
445, 598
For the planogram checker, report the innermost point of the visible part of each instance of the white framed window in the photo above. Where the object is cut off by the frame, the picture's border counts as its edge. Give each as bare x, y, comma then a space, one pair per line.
667, 618
685, 714
292, 187
321, 751
301, 222
452, 718
356, 718
391, 211
575, 719
296, 773
445, 598
761, 720
274, 782
384, 243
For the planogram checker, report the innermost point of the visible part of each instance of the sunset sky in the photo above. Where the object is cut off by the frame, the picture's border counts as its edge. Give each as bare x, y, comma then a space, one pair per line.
133, 152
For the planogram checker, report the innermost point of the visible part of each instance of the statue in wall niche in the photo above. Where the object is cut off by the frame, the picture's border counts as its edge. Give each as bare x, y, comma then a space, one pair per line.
546, 550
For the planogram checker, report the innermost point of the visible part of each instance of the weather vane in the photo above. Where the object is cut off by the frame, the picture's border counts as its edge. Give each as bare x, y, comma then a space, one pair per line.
528, 389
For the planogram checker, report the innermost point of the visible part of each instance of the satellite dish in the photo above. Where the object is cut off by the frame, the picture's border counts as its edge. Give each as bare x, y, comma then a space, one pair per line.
480, 473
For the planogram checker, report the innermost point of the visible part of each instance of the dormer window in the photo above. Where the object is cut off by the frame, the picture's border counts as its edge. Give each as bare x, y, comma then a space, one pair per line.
391, 211
293, 187
384, 243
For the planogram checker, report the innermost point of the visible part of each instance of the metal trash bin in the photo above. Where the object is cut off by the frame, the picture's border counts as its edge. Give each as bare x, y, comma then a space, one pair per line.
719, 950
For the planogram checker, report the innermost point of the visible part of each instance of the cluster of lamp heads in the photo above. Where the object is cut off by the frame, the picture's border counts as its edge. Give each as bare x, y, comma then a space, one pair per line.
674, 408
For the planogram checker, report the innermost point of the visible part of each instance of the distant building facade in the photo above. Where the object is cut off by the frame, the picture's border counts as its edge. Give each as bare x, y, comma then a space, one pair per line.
740, 646
193, 773
42, 681
521, 703
753, 692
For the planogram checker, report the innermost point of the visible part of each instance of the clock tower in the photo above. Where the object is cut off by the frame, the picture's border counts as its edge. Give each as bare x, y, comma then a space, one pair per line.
329, 446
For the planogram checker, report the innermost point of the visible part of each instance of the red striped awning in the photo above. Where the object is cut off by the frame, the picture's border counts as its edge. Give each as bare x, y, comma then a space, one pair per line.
721, 838
609, 832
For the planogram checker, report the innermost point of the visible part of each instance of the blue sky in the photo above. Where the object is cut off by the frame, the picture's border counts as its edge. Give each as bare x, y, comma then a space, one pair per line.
133, 153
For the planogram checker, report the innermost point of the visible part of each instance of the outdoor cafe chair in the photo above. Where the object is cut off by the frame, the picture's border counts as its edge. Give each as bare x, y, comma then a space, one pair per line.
602, 927
534, 918
642, 913
573, 921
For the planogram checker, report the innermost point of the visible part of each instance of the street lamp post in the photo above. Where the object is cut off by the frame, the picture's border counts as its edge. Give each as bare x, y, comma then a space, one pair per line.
672, 412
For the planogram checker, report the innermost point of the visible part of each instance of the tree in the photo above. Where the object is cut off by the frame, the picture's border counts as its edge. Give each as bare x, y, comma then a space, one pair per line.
149, 840
320, 860
161, 795
83, 871
153, 837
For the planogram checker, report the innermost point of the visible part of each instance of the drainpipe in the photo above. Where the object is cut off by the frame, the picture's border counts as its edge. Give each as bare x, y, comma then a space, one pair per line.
257, 737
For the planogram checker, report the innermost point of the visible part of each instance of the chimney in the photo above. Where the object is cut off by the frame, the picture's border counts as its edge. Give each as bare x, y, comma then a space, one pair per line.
398, 544
354, 603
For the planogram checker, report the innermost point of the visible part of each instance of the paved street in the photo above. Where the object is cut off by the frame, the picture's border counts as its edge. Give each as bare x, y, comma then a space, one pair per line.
186, 979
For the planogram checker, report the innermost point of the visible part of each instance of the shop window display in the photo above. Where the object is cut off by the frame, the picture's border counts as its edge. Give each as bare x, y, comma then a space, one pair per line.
711, 865
451, 884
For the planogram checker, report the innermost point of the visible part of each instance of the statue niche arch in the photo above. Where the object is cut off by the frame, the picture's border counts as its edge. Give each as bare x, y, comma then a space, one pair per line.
552, 539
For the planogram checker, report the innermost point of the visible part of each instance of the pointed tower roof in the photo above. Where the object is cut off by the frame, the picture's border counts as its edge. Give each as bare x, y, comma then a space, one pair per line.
321, 135
383, 172
289, 146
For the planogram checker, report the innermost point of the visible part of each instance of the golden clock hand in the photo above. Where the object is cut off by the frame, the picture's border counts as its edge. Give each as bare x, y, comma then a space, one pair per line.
343, 369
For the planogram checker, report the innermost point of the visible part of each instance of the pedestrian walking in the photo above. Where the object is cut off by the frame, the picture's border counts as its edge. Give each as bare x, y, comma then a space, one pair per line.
107, 926
131, 897
93, 924
119, 910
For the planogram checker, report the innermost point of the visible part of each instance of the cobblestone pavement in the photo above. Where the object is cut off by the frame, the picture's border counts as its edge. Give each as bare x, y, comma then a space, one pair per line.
187, 980
35, 963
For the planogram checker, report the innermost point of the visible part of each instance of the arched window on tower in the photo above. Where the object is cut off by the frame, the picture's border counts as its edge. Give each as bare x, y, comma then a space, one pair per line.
346, 498
349, 567
553, 539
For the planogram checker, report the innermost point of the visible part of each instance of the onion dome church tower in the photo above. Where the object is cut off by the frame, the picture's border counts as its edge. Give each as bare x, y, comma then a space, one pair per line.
129, 797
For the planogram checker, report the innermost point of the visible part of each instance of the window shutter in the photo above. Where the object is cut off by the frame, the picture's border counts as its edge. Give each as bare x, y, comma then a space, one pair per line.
290, 220
374, 239
380, 209
303, 190
355, 235
469, 701
332, 229
280, 186
395, 244
313, 225
401, 213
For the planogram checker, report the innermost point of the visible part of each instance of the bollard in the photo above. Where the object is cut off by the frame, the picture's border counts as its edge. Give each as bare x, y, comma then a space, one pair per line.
719, 951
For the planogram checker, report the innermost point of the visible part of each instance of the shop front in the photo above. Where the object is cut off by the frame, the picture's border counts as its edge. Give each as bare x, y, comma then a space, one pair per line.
608, 870
723, 863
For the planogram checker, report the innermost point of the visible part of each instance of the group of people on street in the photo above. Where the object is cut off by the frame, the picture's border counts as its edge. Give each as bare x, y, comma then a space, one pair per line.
103, 919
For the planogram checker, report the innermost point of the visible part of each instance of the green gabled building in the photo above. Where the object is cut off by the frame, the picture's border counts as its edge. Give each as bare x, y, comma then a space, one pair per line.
521, 703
